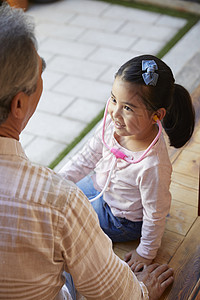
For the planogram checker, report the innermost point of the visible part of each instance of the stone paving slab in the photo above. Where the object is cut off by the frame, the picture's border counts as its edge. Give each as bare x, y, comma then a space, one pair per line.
84, 42
183, 51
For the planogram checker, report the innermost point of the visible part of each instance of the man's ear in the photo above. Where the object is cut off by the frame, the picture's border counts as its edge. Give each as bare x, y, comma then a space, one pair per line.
160, 114
17, 105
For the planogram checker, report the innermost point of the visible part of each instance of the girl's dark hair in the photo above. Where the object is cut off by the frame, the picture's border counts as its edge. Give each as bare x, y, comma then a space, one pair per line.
179, 120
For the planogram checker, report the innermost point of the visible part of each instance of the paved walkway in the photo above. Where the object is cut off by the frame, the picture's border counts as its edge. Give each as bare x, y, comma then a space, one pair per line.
84, 42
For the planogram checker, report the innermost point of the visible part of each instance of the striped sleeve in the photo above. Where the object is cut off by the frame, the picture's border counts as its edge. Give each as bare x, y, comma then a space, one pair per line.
97, 272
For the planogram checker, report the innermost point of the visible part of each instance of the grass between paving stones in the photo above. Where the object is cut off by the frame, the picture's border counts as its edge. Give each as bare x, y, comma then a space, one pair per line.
192, 19
77, 140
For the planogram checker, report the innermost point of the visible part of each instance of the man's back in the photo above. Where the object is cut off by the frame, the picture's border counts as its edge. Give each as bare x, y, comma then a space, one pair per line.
47, 226
31, 261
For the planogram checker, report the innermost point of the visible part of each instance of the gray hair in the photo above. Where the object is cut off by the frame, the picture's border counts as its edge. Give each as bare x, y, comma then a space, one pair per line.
18, 57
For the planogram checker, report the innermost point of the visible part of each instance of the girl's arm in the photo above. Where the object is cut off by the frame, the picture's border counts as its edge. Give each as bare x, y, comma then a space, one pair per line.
85, 160
156, 200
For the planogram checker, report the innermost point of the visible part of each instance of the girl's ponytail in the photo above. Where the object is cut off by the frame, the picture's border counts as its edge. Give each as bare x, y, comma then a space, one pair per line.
179, 120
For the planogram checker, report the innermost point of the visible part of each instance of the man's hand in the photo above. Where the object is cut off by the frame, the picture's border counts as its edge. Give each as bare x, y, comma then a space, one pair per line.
156, 278
135, 261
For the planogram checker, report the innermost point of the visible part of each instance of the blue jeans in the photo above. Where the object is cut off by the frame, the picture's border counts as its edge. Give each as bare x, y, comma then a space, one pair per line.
70, 285
118, 229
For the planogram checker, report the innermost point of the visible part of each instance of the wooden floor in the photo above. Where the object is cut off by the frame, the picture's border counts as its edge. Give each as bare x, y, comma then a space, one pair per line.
181, 241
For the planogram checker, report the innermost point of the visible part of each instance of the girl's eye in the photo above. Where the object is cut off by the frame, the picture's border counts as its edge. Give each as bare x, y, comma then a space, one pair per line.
127, 108
113, 99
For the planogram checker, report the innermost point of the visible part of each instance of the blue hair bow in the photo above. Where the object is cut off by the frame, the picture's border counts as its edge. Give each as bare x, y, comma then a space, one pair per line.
150, 77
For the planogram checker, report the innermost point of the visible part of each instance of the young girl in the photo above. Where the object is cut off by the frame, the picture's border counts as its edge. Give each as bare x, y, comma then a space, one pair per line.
137, 198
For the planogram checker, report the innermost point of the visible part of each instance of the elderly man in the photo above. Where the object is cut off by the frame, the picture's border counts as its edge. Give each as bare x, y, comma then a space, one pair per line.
47, 225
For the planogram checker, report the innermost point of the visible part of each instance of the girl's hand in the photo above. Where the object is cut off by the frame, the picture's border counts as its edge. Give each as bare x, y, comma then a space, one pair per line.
136, 262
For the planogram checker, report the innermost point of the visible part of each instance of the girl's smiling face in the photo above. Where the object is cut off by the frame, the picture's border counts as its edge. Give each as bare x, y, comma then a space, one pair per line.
128, 112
